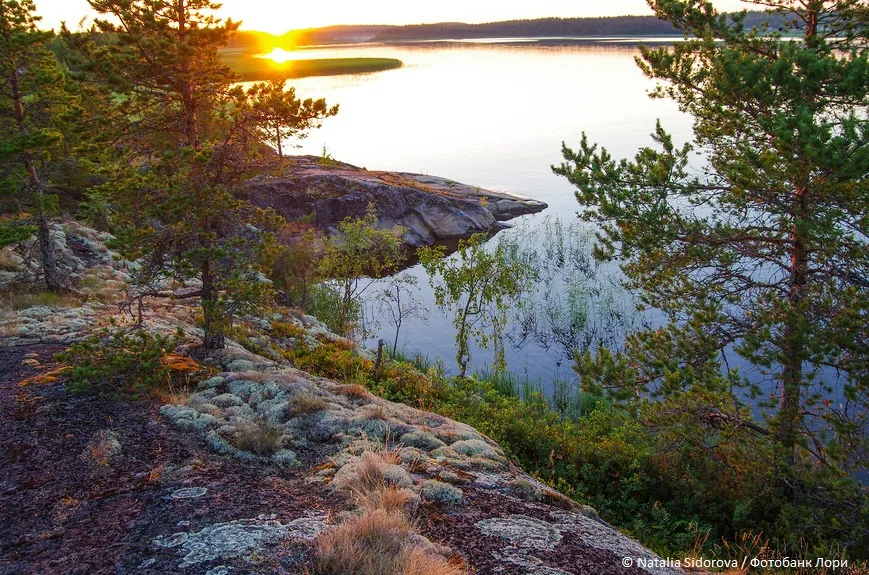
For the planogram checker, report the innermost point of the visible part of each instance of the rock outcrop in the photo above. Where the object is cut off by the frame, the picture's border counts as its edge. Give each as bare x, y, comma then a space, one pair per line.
432, 209
249, 467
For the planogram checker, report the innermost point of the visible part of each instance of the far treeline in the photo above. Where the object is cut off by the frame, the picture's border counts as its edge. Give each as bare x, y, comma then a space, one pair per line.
540, 28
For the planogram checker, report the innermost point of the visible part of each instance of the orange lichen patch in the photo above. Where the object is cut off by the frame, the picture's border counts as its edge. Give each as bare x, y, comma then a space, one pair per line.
180, 364
45, 378
403, 181
155, 473
32, 362
324, 467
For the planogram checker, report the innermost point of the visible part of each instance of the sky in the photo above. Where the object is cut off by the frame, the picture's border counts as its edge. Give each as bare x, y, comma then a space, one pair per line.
278, 16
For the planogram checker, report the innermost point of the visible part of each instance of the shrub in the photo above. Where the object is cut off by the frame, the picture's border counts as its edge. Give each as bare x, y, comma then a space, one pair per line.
121, 363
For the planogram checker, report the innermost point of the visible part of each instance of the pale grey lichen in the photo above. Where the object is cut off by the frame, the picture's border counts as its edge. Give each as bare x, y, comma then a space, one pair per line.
240, 365
284, 458
396, 475
211, 383
479, 463
475, 448
522, 531
223, 447
186, 417
238, 538
188, 493
422, 440
440, 492
226, 400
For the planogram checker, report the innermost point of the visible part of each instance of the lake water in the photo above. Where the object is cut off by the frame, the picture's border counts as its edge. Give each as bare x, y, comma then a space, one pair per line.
492, 115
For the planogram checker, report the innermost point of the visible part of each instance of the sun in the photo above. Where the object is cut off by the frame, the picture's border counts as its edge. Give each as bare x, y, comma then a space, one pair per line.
279, 56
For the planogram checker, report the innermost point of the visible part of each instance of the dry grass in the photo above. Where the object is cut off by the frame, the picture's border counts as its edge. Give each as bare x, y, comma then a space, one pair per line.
377, 543
354, 391
418, 561
367, 545
18, 300
384, 540
370, 476
306, 403
173, 395
259, 438
373, 411
391, 500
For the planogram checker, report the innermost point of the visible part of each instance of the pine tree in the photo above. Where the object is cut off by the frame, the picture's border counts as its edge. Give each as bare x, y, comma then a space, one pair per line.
192, 136
765, 249
32, 101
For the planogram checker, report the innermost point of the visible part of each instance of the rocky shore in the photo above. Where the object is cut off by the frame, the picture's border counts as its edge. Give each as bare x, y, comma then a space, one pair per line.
164, 484
432, 209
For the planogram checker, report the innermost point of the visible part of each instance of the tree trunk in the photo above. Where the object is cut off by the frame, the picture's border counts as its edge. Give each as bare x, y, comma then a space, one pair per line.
47, 256
188, 101
280, 146
794, 337
214, 337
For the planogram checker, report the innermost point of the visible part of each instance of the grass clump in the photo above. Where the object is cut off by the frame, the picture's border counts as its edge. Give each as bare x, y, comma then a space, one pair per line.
257, 437
384, 539
354, 391
378, 543
18, 301
306, 404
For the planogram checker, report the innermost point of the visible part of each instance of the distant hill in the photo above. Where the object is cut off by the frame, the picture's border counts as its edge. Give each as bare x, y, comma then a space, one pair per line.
538, 28
544, 28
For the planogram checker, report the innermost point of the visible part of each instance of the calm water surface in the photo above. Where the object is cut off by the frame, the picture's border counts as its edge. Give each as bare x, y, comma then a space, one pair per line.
491, 115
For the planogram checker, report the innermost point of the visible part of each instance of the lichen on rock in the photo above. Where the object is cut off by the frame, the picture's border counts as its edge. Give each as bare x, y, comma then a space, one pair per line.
522, 531
238, 538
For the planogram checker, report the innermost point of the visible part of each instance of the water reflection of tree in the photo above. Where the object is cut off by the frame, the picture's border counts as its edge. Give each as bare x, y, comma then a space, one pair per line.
577, 303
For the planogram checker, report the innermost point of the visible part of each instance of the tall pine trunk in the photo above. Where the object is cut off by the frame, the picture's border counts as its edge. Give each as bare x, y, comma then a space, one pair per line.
794, 336
214, 336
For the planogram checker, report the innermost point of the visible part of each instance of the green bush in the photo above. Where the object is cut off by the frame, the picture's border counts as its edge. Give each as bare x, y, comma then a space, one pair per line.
118, 362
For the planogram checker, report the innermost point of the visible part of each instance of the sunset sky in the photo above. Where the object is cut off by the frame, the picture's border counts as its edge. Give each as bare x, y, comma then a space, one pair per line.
278, 16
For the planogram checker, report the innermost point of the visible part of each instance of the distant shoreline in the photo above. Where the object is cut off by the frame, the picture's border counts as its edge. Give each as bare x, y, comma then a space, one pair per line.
623, 26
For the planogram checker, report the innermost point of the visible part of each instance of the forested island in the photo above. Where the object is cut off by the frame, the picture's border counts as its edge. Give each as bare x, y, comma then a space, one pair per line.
183, 382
